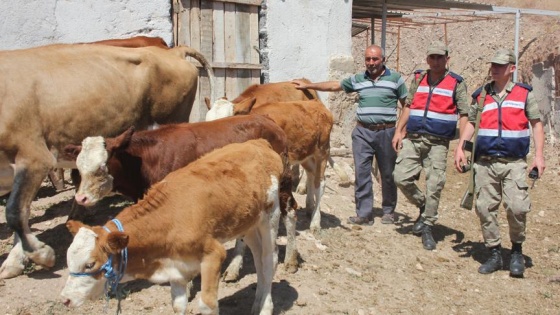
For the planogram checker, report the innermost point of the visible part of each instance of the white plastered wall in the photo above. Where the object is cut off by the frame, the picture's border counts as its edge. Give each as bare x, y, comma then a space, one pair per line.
30, 23
304, 36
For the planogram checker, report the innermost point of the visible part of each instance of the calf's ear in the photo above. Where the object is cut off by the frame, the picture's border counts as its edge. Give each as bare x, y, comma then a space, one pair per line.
244, 107
116, 242
73, 226
71, 151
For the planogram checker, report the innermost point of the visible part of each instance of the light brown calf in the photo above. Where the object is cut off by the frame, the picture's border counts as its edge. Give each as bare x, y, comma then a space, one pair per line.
178, 229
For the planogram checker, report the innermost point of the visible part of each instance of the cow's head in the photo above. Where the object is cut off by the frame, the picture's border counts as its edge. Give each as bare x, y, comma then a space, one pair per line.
223, 108
86, 256
92, 162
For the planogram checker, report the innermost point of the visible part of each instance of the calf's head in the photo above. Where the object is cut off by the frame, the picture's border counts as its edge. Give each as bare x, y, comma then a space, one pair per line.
223, 108
86, 258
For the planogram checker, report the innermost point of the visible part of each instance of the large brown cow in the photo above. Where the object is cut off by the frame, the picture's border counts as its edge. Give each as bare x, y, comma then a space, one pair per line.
59, 94
134, 42
307, 125
57, 176
134, 161
178, 229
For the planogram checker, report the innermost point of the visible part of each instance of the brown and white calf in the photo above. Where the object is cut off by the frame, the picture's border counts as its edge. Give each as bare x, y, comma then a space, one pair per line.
307, 125
177, 231
134, 161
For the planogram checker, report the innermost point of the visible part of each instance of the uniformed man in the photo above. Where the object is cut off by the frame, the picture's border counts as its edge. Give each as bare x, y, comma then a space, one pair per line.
438, 100
500, 167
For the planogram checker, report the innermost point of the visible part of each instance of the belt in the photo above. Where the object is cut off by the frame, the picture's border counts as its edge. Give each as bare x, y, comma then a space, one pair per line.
503, 159
375, 127
425, 135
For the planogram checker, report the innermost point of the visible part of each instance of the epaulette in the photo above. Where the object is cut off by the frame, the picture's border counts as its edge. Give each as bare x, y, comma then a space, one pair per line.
525, 86
477, 92
456, 76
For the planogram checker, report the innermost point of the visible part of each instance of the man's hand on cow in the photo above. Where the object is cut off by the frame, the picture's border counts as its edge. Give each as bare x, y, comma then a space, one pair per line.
300, 85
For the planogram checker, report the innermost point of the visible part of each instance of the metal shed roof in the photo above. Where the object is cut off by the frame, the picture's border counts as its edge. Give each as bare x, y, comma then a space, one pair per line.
396, 8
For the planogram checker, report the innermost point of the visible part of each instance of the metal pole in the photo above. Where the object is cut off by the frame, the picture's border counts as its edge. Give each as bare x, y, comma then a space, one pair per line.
516, 47
373, 31
398, 48
383, 24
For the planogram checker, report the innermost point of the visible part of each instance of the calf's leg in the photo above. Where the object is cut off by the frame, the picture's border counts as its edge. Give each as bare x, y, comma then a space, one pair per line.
210, 266
316, 188
262, 247
291, 258
179, 296
232, 272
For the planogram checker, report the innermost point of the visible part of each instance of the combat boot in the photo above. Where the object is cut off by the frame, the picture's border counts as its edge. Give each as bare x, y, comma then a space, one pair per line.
419, 225
493, 263
517, 262
427, 238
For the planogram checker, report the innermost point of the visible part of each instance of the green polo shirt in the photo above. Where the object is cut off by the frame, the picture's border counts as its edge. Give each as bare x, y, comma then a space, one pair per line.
377, 98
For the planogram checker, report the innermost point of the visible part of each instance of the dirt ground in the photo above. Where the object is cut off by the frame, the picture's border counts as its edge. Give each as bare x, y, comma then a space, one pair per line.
378, 269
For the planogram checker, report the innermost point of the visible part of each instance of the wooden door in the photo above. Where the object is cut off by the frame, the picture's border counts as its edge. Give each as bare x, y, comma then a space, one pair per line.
227, 34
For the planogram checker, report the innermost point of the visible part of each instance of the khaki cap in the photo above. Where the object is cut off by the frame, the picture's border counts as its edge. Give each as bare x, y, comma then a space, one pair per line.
437, 48
503, 57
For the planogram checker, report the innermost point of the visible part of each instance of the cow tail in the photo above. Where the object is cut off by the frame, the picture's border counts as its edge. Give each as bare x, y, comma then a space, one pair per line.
191, 52
287, 201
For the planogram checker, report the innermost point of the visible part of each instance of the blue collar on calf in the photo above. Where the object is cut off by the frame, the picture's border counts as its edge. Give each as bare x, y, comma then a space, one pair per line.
113, 278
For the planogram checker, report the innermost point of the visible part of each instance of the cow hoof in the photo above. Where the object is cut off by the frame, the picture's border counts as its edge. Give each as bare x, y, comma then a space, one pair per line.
7, 272
291, 268
43, 256
230, 276
315, 229
345, 184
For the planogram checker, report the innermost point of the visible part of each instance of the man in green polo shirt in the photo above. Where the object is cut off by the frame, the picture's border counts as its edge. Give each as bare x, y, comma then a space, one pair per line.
379, 90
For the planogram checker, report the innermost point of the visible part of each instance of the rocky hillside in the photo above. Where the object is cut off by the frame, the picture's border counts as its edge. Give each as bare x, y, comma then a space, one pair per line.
471, 44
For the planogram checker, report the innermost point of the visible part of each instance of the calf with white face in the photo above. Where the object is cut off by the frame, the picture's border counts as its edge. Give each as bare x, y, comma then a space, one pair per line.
178, 229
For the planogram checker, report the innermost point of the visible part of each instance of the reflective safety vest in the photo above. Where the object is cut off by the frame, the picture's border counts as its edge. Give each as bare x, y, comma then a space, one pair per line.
433, 109
504, 126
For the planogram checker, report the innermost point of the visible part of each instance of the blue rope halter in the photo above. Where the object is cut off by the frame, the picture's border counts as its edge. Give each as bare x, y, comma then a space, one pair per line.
113, 278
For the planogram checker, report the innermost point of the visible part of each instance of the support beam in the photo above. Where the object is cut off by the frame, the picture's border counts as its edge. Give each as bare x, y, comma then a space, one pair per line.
384, 25
516, 43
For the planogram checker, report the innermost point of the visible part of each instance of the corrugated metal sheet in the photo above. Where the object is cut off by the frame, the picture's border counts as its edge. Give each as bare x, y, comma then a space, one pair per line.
364, 10
374, 8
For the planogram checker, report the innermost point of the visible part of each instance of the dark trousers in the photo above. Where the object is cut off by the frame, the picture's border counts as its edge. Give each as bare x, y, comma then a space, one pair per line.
365, 145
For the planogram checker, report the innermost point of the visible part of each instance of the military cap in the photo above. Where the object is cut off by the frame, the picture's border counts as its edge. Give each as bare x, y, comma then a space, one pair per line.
503, 57
437, 48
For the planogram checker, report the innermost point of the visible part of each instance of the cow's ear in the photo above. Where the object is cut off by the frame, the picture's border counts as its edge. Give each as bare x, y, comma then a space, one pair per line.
244, 107
71, 151
73, 226
116, 242
120, 142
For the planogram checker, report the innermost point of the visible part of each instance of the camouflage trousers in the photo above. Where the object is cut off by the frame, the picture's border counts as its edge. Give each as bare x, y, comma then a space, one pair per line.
419, 154
497, 181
